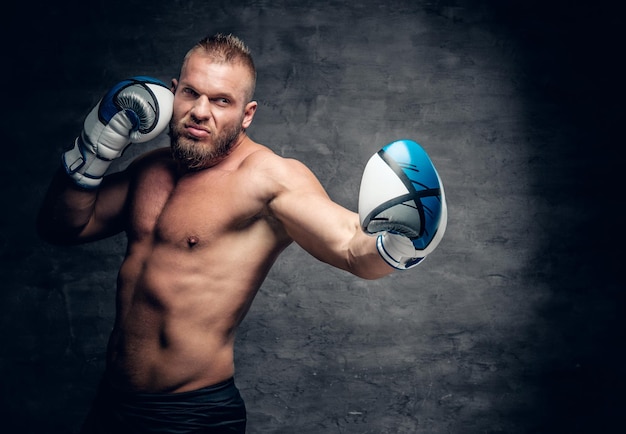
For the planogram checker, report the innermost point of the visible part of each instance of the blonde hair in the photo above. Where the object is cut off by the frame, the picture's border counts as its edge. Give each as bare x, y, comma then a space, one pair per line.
226, 49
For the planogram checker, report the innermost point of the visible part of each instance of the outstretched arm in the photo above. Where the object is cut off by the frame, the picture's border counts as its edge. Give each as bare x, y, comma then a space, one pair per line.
326, 230
401, 201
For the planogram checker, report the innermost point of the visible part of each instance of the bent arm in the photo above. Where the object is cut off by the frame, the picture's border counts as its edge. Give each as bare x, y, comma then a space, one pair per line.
325, 229
81, 203
71, 215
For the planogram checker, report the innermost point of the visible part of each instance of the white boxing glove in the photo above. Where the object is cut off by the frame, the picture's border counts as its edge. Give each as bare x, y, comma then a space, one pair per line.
402, 200
133, 111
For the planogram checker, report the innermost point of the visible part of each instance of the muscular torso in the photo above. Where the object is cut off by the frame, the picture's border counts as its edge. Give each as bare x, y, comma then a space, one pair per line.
199, 247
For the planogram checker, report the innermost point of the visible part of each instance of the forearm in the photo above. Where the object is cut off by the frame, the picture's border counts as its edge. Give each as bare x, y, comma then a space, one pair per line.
342, 244
364, 260
66, 210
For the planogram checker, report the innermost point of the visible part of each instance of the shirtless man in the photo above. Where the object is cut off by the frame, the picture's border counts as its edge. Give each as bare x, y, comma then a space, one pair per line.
205, 220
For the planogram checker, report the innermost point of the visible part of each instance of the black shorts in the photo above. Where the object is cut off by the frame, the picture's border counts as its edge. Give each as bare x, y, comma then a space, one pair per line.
217, 409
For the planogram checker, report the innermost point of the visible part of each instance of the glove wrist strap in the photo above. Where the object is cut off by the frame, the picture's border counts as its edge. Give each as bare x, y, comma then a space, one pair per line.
83, 166
397, 251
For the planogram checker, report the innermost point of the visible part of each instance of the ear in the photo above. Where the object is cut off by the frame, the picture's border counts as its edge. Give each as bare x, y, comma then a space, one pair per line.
174, 85
248, 114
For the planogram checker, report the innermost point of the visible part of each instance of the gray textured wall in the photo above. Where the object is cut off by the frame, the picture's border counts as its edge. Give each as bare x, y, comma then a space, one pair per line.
513, 325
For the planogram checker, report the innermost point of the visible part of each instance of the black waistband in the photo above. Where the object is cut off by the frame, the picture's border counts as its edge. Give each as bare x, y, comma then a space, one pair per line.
219, 407
216, 392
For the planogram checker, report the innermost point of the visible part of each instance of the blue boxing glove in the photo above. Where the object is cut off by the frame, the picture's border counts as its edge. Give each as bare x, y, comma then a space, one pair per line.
401, 199
133, 111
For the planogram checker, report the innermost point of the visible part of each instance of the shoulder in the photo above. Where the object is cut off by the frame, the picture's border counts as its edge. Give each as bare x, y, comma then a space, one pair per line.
286, 185
155, 156
160, 157
154, 166
281, 173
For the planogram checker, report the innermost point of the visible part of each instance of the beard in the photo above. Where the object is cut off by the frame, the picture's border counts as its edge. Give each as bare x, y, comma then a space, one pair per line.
194, 154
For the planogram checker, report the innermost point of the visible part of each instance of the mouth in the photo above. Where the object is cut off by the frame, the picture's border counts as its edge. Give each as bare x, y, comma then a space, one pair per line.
197, 131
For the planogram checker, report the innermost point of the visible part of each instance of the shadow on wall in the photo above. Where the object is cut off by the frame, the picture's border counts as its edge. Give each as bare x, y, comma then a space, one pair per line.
56, 315
578, 335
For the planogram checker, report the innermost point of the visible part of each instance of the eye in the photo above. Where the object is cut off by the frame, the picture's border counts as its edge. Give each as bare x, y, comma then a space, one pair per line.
221, 101
189, 91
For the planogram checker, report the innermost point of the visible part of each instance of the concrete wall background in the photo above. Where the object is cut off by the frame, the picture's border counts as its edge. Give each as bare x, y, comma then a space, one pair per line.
514, 325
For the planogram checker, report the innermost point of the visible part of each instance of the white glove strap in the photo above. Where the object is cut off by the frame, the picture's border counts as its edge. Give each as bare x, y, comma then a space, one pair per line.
83, 166
397, 251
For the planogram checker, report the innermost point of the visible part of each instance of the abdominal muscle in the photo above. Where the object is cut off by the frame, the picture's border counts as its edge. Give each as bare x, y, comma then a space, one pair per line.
177, 310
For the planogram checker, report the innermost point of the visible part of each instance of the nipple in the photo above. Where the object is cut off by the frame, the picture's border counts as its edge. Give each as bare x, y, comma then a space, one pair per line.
192, 240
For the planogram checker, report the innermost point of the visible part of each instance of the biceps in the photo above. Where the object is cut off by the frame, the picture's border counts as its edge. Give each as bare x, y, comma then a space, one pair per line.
319, 225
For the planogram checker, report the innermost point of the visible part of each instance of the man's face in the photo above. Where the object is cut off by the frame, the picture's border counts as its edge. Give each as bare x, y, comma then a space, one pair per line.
210, 111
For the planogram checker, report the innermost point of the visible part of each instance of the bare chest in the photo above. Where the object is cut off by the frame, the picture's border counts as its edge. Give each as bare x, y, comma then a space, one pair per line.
193, 211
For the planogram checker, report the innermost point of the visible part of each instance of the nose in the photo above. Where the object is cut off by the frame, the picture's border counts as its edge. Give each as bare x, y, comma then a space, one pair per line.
201, 109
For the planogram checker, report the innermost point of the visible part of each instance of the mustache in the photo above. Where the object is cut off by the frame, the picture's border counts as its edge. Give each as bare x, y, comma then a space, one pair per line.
188, 118
194, 121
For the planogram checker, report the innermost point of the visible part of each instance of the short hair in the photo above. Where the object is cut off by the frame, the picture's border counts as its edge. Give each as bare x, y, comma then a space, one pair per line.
226, 49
